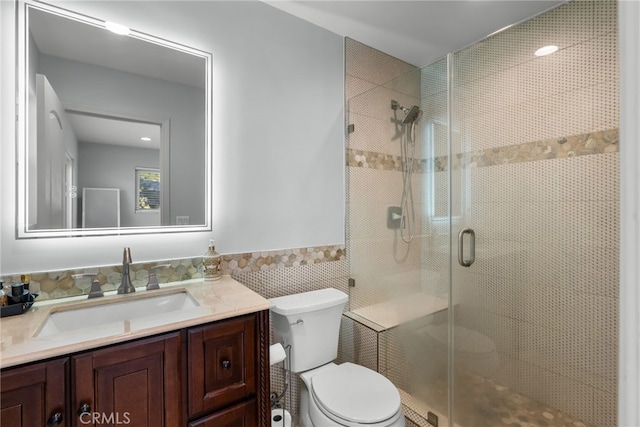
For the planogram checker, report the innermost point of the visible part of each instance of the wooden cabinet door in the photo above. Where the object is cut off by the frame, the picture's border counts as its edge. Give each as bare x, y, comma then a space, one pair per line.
34, 395
222, 363
137, 384
241, 415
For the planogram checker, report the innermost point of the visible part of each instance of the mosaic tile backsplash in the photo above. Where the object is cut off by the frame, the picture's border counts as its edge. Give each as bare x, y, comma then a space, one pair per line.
60, 284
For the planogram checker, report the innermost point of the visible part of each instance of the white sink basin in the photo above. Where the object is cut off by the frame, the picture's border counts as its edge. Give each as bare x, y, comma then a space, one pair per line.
120, 315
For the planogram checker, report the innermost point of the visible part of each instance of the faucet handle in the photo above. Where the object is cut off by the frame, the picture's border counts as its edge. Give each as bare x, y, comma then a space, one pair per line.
96, 289
153, 279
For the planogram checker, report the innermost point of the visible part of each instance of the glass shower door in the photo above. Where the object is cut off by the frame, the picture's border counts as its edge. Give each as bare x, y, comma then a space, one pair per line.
534, 176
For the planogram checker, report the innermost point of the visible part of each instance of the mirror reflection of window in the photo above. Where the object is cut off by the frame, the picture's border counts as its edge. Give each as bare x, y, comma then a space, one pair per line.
147, 190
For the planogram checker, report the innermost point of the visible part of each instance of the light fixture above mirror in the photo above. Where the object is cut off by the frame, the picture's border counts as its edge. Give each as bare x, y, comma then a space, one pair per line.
87, 98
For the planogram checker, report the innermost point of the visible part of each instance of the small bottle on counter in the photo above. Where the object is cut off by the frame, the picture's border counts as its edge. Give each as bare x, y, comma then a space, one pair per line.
4, 298
211, 263
25, 278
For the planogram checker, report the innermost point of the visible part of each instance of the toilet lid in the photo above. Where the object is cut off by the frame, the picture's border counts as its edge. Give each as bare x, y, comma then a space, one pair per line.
356, 394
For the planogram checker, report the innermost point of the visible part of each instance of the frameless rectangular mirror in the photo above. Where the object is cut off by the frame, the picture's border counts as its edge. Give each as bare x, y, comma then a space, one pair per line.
104, 108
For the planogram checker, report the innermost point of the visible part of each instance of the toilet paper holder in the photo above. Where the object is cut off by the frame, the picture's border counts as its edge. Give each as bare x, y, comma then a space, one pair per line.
277, 354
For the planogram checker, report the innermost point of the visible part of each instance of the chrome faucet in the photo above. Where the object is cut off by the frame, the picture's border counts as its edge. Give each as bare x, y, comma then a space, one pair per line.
126, 287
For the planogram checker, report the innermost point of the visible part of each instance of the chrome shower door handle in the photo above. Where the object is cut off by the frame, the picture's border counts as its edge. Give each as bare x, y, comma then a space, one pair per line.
472, 247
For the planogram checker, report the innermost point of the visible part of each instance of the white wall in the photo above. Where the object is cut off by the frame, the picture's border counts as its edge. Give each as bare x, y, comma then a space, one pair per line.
277, 130
629, 374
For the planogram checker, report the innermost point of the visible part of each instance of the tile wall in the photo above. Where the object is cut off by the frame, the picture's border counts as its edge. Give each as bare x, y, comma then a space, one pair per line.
374, 172
536, 175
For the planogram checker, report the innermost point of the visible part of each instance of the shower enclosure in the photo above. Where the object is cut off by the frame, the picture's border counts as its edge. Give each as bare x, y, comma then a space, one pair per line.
502, 309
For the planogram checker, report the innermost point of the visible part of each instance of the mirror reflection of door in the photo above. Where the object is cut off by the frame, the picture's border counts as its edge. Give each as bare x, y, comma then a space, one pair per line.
55, 138
70, 194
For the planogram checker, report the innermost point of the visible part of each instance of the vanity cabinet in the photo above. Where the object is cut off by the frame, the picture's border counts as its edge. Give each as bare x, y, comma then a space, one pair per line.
215, 374
223, 367
240, 415
137, 383
34, 395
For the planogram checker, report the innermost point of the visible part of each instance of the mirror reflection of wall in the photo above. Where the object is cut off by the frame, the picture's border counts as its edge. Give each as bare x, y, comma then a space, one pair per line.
106, 100
110, 151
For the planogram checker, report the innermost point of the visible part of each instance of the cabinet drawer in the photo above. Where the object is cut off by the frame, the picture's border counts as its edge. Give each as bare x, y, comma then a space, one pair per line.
222, 364
240, 415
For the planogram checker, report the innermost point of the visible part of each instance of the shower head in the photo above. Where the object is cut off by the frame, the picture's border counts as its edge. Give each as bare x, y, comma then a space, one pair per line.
411, 114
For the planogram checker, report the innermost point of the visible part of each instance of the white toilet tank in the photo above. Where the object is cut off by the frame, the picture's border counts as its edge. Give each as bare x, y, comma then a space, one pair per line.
310, 323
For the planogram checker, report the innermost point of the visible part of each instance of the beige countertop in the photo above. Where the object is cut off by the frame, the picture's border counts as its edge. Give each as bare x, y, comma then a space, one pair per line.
216, 300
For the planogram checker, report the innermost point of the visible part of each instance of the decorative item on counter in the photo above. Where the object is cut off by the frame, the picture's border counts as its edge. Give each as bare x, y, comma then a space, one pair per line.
211, 263
4, 299
26, 278
18, 300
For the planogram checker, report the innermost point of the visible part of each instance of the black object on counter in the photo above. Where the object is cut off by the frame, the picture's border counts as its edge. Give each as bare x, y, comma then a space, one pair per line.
23, 306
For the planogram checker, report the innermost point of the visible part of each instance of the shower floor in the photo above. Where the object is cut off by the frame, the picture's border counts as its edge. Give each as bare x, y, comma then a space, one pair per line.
482, 403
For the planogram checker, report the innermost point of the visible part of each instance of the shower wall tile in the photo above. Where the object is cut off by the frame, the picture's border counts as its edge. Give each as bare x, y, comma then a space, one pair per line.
604, 415
372, 134
580, 268
544, 76
354, 86
542, 98
605, 14
606, 102
374, 177
566, 25
373, 65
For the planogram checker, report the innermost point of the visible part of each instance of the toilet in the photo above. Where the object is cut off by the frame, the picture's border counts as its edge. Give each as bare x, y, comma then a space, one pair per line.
332, 395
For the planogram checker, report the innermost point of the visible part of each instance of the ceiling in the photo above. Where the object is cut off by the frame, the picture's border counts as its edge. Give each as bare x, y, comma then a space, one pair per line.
95, 129
418, 31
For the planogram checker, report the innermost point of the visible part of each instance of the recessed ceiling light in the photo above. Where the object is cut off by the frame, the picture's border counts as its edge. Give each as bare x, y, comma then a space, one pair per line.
145, 138
546, 50
116, 28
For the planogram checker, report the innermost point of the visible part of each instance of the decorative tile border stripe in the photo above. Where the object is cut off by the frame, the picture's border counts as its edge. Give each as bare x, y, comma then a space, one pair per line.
381, 161
60, 284
271, 260
606, 141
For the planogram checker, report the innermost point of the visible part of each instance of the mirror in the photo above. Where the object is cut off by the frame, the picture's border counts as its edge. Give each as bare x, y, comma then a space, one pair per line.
114, 132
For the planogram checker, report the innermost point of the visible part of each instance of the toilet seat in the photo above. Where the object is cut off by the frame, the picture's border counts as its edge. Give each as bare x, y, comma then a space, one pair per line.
353, 395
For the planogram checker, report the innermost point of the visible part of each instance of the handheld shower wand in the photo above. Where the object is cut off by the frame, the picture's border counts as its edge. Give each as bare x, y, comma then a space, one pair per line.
408, 149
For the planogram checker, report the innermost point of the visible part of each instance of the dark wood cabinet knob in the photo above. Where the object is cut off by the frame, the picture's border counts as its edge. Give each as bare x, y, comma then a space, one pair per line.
85, 408
55, 419
226, 364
